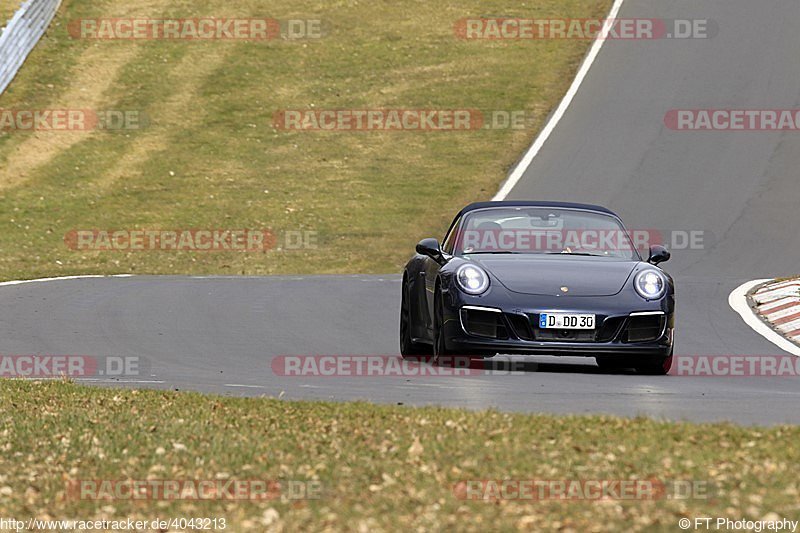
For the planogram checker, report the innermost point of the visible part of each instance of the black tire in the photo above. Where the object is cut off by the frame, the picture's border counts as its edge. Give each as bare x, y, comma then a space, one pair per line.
409, 348
653, 366
656, 367
613, 363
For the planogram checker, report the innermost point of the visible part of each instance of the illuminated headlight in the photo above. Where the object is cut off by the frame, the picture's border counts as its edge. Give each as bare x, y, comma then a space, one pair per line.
650, 284
472, 279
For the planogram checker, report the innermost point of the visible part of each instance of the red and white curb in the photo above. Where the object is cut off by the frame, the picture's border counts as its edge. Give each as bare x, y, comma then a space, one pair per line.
779, 304
772, 309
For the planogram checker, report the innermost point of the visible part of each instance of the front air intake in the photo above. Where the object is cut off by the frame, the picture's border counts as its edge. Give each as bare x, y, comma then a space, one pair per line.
483, 322
644, 328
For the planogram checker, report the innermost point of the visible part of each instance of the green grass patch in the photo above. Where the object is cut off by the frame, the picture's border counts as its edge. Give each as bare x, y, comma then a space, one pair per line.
7, 10
380, 468
210, 157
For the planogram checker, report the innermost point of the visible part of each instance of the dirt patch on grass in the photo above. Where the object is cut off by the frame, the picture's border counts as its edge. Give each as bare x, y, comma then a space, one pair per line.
90, 82
209, 154
181, 110
93, 76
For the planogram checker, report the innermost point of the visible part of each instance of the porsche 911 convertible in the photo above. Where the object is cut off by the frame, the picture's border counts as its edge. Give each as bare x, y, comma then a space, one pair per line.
550, 278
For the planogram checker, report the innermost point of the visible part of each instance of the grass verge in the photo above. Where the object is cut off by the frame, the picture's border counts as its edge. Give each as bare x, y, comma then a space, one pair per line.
209, 156
7, 10
380, 468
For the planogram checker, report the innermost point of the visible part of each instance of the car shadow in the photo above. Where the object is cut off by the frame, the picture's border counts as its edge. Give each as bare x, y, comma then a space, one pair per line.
528, 364
582, 365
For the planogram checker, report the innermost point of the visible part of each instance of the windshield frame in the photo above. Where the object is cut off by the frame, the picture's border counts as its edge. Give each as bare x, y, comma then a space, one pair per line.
460, 224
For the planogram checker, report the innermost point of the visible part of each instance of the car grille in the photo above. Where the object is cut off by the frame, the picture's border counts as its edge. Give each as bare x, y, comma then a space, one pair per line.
525, 327
565, 335
483, 323
610, 328
495, 325
521, 325
644, 328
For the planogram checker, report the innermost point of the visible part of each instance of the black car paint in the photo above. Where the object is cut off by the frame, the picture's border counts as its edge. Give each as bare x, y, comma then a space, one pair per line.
595, 285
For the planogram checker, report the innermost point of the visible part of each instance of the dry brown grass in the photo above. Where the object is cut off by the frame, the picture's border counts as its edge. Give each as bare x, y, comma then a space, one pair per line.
209, 156
94, 74
381, 468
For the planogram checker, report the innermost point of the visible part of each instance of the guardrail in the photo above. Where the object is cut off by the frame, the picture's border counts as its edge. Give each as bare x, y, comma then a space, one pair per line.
21, 34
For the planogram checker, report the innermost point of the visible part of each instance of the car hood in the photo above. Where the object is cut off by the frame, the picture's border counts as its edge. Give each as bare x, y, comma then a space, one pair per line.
548, 275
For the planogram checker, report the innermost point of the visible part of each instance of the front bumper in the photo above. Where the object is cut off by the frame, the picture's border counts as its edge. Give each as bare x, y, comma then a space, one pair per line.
487, 330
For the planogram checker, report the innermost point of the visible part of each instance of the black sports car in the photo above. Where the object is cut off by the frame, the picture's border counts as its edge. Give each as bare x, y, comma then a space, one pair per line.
523, 277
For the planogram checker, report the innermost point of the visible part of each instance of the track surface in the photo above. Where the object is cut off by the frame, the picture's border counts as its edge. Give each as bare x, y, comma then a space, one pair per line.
611, 147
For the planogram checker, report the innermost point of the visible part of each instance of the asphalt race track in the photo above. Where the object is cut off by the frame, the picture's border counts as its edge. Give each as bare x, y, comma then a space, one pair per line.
221, 334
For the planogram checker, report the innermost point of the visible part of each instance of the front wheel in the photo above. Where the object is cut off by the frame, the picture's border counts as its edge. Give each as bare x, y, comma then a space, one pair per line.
409, 348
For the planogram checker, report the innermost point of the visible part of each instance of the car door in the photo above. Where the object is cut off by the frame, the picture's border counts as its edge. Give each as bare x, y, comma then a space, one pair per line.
431, 271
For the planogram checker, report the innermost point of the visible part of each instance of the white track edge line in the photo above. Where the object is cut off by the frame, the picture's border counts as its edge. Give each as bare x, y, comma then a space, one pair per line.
534, 149
24, 281
738, 302
40, 280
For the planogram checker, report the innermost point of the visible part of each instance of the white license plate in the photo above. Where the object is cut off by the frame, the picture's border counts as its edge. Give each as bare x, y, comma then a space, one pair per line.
565, 321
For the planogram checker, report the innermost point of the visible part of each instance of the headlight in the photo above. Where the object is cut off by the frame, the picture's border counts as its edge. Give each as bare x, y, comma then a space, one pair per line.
650, 284
472, 279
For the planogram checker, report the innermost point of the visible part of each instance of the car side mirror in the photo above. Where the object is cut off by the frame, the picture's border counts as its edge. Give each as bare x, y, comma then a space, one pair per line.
431, 248
658, 254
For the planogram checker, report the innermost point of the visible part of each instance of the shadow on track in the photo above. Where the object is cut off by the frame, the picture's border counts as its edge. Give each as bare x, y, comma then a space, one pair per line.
502, 365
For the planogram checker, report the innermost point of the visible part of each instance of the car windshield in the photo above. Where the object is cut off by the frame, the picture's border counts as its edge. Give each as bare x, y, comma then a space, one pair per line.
540, 230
